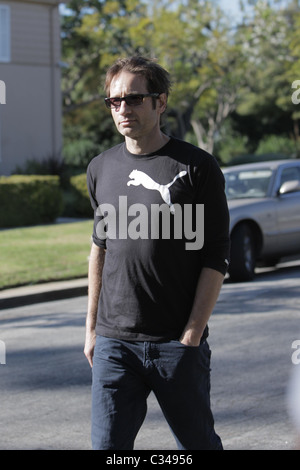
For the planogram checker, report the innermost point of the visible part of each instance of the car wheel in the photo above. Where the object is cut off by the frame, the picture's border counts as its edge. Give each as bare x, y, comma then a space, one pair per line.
242, 263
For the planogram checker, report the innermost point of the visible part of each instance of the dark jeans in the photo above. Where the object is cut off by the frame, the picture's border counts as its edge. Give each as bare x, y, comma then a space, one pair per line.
124, 373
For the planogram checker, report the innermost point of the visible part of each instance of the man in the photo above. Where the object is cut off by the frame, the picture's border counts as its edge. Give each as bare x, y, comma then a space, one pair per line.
152, 289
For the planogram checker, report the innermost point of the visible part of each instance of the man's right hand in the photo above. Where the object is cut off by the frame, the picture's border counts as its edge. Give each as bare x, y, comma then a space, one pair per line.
90, 342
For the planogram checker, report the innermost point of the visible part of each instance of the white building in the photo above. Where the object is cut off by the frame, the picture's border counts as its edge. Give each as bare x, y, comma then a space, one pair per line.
30, 119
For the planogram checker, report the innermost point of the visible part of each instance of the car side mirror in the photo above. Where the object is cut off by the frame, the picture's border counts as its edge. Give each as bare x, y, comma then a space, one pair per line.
289, 187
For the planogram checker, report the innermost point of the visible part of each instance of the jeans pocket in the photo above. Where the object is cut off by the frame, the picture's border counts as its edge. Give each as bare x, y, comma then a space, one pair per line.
186, 346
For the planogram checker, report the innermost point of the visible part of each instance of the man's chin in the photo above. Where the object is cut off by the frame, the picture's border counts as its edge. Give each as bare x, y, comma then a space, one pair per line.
128, 132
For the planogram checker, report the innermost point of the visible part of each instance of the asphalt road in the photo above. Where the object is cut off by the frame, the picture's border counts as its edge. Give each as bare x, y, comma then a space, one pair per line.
45, 383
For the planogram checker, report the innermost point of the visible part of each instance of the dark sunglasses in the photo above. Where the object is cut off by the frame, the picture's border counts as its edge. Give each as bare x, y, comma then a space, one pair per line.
130, 100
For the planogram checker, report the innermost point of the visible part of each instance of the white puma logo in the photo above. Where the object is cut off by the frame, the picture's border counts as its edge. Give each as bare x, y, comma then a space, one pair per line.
139, 177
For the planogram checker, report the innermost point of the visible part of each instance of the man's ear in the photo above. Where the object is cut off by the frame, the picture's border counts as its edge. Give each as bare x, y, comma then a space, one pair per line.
162, 102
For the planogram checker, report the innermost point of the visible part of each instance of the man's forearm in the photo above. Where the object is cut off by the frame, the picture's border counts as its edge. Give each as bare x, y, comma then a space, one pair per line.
96, 263
206, 296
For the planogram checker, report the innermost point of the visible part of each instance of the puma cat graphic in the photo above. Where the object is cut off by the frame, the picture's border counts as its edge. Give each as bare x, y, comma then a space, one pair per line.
159, 221
141, 178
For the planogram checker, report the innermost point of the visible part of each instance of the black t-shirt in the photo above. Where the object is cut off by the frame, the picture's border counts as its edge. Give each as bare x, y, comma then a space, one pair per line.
162, 217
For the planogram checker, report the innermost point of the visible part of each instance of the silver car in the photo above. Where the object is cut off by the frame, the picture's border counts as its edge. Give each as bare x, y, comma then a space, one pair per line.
264, 206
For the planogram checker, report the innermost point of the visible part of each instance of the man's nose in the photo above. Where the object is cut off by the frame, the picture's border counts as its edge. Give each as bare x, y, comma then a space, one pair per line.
124, 108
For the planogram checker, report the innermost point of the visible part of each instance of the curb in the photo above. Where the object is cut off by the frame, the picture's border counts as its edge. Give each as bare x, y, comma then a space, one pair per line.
27, 295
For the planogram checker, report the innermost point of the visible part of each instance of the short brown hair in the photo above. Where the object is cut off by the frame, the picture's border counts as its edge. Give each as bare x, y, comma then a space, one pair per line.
157, 78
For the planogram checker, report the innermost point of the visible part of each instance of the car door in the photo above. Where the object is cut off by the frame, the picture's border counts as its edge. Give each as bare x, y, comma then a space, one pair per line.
288, 212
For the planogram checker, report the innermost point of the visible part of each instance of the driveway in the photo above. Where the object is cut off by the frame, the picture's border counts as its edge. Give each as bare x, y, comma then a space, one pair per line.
45, 383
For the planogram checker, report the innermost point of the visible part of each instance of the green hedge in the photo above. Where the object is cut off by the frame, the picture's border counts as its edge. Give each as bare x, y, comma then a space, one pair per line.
81, 200
29, 200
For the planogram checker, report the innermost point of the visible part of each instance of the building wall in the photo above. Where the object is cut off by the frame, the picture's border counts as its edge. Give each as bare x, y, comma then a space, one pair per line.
30, 121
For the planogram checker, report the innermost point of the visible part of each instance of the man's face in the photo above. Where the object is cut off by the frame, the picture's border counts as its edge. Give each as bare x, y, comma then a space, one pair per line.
135, 122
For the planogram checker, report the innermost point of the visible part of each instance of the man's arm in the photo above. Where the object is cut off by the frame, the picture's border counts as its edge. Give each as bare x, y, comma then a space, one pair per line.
96, 263
206, 296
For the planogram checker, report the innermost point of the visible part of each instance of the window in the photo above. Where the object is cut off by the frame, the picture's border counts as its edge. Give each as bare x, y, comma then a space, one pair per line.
290, 174
247, 183
4, 33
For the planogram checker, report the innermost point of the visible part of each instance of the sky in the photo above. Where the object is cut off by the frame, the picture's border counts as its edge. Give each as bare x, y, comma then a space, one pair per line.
231, 7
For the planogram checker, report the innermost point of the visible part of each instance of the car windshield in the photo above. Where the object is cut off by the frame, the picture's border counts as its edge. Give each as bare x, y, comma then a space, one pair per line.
247, 183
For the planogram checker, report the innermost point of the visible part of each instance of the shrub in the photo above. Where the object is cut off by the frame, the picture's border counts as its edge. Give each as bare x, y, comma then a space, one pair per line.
81, 200
29, 200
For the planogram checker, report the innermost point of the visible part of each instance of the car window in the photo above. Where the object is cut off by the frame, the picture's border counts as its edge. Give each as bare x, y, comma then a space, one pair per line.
247, 183
290, 174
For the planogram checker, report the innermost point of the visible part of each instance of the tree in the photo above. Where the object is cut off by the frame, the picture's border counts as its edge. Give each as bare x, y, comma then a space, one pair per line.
270, 42
227, 78
192, 41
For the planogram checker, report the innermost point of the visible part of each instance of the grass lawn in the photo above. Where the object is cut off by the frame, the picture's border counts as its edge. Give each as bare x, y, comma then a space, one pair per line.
44, 253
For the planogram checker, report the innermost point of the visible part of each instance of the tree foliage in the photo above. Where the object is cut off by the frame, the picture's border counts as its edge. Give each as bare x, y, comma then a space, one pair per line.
231, 81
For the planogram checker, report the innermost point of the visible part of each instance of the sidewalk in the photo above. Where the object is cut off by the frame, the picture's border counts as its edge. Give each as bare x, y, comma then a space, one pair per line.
26, 295
45, 383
